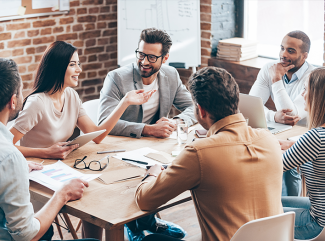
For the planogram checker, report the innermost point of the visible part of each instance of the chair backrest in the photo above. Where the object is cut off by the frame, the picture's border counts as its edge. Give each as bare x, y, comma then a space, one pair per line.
320, 237
91, 108
279, 227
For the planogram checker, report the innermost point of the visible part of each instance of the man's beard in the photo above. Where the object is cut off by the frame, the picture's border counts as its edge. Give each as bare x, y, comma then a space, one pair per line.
145, 74
295, 63
14, 115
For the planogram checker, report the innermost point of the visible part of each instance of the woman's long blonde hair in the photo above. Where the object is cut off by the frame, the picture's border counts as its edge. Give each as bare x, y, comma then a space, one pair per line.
316, 98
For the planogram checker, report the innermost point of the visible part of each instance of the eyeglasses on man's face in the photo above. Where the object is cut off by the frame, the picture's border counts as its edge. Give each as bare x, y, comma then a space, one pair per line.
93, 165
150, 57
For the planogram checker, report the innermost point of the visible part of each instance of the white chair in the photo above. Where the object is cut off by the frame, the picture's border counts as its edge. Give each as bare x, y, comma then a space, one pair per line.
279, 227
320, 237
91, 108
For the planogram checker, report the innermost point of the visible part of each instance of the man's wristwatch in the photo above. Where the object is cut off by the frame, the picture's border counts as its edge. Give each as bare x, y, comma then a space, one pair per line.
148, 175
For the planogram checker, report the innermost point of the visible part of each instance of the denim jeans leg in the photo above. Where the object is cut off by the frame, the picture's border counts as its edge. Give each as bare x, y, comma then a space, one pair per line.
305, 225
141, 224
296, 202
291, 183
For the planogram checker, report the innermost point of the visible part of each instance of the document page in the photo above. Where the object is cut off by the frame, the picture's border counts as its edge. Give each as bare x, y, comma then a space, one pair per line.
54, 175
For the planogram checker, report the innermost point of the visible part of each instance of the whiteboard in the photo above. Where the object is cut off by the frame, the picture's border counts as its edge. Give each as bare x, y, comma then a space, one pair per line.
179, 18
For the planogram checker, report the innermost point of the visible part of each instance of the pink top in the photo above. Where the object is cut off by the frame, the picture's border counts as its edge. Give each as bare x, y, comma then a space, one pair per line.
43, 125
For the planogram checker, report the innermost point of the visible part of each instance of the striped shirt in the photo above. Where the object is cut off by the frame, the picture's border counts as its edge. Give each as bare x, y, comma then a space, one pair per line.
309, 153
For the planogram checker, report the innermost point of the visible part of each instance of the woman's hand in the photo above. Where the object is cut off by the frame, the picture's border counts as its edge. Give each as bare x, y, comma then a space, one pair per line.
60, 150
285, 145
34, 166
138, 97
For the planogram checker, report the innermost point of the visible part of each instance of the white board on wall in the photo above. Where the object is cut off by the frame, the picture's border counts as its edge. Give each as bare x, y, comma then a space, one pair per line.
179, 18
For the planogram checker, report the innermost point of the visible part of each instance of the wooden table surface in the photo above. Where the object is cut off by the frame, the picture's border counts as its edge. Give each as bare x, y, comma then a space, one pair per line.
111, 206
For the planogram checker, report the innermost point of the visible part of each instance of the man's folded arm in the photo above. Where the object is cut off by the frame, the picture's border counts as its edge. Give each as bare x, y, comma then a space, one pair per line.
184, 174
283, 101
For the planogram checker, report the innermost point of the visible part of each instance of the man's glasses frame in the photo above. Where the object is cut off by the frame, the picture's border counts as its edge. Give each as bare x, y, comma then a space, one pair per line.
78, 161
147, 55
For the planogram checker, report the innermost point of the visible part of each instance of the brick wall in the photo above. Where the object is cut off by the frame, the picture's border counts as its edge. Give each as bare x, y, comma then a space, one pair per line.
223, 21
91, 26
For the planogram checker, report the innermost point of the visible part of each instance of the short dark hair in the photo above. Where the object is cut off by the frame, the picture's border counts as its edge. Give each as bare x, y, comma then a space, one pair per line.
52, 67
305, 47
9, 81
216, 91
153, 35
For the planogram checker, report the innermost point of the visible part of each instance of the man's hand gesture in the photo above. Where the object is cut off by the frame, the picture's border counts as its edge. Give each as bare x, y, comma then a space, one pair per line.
281, 116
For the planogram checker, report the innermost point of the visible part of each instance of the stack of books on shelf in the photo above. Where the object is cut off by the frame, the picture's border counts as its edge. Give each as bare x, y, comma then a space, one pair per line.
237, 49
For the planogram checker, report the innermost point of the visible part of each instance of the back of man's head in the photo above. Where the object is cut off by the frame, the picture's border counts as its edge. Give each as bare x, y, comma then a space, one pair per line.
216, 91
305, 47
9, 81
153, 35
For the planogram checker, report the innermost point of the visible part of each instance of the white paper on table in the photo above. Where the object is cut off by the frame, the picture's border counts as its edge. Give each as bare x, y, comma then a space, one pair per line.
36, 4
139, 156
54, 175
294, 138
64, 5
9, 8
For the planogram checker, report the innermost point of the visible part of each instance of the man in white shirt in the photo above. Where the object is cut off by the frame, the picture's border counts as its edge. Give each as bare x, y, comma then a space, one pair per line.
147, 73
284, 82
17, 218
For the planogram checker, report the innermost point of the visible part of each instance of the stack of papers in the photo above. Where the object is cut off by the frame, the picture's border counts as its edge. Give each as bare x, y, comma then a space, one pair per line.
237, 49
53, 176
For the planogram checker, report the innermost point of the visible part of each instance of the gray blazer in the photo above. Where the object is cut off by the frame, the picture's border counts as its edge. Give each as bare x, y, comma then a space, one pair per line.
120, 81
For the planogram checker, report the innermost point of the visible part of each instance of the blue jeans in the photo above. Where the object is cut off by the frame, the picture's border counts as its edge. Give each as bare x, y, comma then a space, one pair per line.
291, 183
306, 226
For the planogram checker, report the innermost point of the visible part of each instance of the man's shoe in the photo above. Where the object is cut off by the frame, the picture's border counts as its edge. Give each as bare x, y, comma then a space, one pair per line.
168, 228
133, 236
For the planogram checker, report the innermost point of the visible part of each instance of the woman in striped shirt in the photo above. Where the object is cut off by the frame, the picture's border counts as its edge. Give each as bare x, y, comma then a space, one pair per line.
309, 153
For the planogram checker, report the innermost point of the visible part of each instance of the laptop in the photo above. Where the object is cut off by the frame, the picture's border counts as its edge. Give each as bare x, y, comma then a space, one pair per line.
252, 108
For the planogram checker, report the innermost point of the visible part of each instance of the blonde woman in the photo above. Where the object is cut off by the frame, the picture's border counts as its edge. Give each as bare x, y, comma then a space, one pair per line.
309, 153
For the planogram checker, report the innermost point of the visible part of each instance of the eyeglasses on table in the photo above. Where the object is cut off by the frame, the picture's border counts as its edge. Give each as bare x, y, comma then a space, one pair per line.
93, 165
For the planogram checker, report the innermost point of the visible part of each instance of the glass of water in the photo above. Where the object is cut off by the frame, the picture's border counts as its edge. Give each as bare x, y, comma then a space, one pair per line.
182, 131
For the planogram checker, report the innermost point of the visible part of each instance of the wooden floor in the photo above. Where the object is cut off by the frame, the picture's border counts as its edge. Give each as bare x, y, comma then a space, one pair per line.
183, 215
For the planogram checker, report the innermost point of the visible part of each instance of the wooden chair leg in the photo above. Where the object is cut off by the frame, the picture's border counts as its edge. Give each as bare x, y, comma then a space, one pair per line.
58, 227
71, 228
158, 215
79, 225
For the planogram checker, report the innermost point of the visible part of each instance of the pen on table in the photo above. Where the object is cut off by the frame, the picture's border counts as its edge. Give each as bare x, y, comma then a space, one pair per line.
102, 152
42, 162
140, 162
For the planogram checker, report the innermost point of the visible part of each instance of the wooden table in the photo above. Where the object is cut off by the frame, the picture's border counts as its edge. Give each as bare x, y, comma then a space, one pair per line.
110, 206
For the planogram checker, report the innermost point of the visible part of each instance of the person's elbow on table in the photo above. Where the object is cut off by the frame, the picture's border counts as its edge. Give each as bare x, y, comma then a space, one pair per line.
143, 200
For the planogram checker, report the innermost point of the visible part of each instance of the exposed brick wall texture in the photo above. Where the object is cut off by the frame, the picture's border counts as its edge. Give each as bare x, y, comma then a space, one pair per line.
223, 21
91, 26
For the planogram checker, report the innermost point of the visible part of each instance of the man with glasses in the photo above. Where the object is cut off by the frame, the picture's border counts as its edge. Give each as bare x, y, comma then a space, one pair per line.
148, 73
17, 218
149, 119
